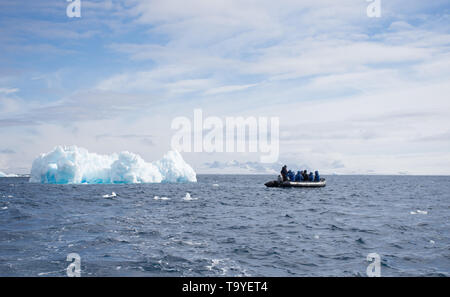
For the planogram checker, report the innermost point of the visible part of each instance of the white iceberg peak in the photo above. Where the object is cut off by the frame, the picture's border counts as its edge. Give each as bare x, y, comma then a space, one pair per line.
74, 165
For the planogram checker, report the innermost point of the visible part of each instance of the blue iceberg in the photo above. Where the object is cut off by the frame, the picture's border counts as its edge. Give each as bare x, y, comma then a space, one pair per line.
75, 165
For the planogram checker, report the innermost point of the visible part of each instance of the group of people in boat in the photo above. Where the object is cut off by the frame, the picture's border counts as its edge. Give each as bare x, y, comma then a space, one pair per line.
300, 176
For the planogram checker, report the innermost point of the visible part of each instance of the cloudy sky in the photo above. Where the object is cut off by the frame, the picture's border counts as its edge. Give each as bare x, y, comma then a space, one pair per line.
354, 94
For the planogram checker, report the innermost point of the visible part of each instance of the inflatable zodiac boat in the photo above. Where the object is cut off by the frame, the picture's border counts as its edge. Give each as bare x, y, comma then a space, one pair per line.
293, 184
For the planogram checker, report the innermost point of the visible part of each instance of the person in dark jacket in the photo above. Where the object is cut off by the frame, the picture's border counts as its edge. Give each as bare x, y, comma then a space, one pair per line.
279, 180
311, 177
305, 175
317, 176
284, 173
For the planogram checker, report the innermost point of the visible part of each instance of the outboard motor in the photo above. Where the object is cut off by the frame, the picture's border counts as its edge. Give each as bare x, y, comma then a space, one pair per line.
317, 176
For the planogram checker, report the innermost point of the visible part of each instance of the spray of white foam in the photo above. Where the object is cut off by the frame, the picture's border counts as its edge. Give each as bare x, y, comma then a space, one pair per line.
214, 263
74, 165
223, 266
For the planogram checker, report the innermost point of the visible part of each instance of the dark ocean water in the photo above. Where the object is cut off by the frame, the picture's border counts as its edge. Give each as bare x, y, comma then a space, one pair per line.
232, 226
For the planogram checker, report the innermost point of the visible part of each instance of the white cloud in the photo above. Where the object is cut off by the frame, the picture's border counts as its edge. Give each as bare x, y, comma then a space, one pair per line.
8, 91
228, 41
227, 89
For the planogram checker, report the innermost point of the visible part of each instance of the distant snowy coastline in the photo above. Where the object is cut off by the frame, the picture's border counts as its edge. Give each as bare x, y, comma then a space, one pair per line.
75, 165
2, 174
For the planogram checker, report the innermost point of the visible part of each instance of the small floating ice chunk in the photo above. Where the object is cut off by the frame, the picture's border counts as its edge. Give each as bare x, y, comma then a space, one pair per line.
215, 185
4, 208
188, 197
161, 198
432, 242
418, 211
316, 236
113, 194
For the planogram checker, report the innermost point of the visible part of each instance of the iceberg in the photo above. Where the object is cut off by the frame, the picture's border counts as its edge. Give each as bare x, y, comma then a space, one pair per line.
75, 165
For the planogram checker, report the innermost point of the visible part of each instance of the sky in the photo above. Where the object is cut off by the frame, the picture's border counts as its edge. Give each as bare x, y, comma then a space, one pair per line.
354, 94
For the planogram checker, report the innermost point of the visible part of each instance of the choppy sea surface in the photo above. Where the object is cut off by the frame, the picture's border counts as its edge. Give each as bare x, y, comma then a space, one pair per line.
227, 226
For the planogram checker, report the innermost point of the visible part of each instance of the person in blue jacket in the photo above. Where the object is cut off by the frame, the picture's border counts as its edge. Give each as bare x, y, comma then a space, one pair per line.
316, 176
299, 176
291, 175
311, 177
